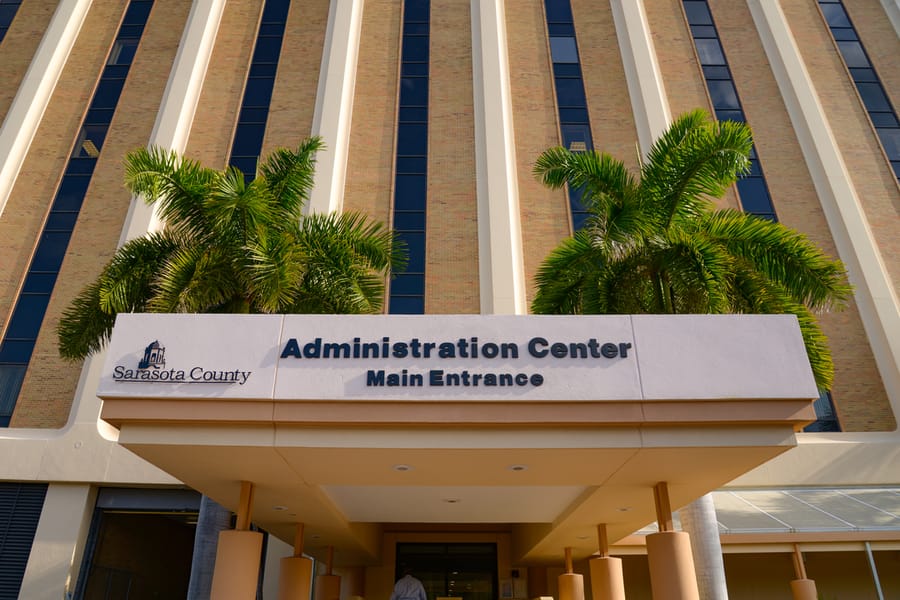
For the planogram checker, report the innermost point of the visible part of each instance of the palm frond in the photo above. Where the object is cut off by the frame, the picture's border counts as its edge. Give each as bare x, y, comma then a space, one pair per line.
371, 243
195, 280
176, 186
128, 280
289, 174
272, 269
84, 327
237, 211
696, 272
564, 274
694, 161
784, 255
124, 285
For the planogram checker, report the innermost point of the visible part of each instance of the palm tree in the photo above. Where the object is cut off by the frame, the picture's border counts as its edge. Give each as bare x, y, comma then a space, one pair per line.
232, 247
654, 242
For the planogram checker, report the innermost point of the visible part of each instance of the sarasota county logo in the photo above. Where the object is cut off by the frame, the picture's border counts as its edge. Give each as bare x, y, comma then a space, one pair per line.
151, 368
154, 357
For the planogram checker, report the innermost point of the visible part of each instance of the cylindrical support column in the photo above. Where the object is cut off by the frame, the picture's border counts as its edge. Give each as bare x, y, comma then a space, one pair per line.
295, 578
698, 520
803, 589
328, 587
607, 579
672, 575
571, 586
237, 565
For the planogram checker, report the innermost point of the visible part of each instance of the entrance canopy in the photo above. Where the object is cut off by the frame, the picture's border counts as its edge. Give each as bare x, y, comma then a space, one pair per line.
545, 426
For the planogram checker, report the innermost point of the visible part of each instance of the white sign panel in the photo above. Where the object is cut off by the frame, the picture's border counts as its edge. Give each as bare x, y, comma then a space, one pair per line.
457, 357
192, 356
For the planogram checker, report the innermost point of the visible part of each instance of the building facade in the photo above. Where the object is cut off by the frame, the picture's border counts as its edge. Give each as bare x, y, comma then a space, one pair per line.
433, 112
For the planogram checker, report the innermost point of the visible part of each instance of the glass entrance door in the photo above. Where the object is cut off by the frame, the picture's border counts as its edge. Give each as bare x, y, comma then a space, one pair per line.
451, 571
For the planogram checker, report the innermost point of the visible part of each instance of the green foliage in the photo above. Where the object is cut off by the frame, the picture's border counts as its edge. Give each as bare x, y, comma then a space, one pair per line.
233, 247
656, 244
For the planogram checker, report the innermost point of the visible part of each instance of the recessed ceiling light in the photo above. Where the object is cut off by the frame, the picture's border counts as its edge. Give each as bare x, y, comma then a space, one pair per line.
402, 468
518, 467
452, 500
279, 507
624, 508
583, 537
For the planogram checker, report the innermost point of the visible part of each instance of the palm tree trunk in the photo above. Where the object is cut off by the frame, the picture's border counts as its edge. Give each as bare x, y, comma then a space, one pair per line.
212, 519
698, 519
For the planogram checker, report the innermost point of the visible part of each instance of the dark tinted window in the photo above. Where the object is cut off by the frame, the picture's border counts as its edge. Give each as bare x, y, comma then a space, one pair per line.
411, 164
406, 305
413, 91
107, 94
408, 284
570, 92
409, 220
416, 10
39, 283
723, 94
563, 50
710, 52
835, 15
137, 13
71, 192
123, 52
412, 139
853, 54
50, 251
415, 48
29, 308
754, 195
558, 11
415, 245
258, 92
409, 193
890, 139
873, 97
697, 13
410, 184
267, 50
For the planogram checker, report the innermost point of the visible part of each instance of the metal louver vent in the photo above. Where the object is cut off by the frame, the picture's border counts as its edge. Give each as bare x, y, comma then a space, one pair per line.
20, 509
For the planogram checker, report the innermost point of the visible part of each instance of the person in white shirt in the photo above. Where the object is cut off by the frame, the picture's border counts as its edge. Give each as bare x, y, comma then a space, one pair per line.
408, 587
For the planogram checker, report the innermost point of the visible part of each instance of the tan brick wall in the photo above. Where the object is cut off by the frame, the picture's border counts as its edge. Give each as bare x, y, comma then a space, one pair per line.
544, 213
294, 94
19, 45
49, 385
858, 393
41, 171
451, 246
875, 184
872, 176
680, 68
880, 41
370, 165
678, 64
223, 88
609, 103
